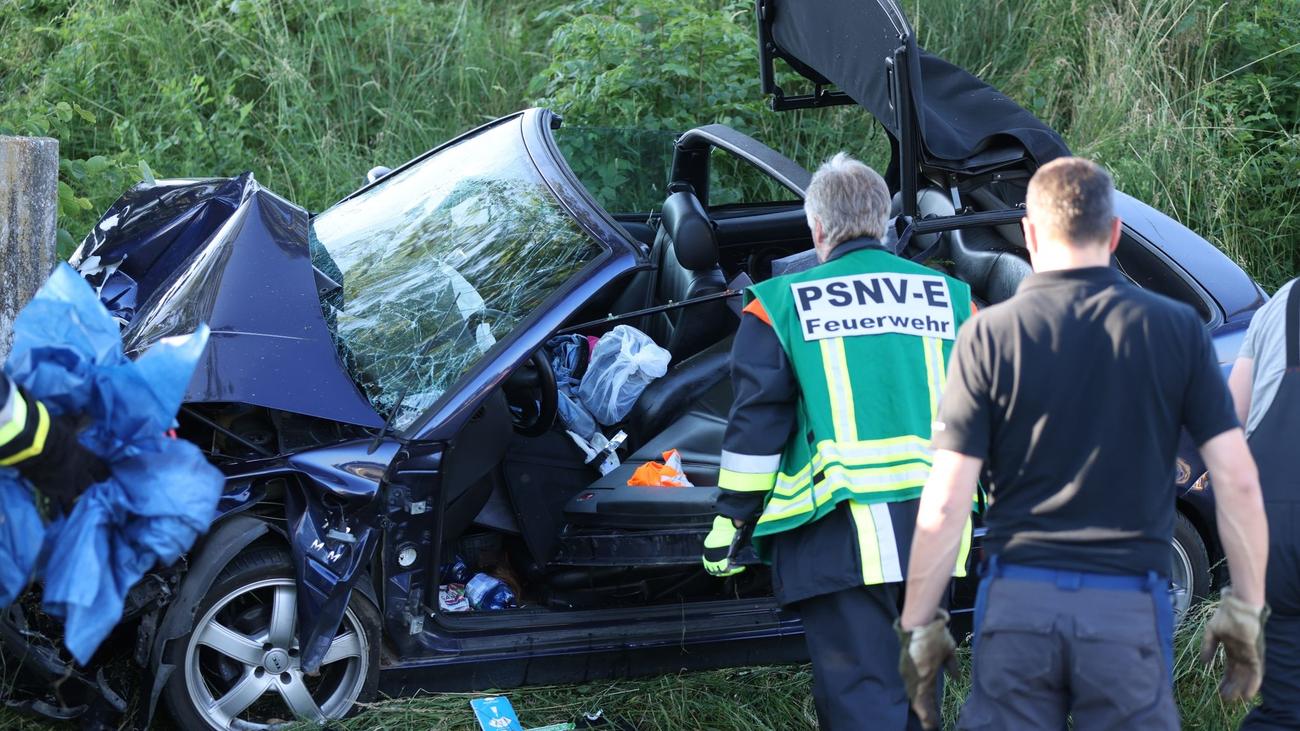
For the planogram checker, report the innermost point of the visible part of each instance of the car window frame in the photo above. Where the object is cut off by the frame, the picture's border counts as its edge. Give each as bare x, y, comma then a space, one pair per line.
618, 255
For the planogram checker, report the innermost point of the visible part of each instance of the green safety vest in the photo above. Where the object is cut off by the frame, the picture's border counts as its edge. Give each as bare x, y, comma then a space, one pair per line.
848, 327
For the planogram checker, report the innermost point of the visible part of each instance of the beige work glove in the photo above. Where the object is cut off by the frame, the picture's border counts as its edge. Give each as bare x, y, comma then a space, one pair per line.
1239, 627
924, 653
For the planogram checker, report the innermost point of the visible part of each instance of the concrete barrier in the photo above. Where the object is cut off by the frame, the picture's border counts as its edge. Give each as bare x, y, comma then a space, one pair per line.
29, 202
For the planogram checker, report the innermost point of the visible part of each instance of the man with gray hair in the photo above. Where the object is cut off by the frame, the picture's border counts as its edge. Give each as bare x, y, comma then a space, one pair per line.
838, 371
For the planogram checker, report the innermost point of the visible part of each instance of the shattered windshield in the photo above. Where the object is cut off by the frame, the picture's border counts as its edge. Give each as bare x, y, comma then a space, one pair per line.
437, 263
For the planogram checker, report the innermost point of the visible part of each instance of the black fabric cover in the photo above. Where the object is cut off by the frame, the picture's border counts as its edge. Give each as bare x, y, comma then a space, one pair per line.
846, 42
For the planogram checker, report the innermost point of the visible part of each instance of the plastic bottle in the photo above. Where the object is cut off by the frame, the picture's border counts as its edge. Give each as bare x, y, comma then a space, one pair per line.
487, 593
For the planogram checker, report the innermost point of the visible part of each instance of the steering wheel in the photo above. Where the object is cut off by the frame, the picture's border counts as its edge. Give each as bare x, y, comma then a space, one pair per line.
533, 396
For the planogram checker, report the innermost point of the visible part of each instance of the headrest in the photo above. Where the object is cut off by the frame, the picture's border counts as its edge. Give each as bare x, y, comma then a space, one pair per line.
694, 241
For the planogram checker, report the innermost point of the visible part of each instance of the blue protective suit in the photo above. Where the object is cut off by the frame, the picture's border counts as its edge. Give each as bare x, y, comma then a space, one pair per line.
162, 494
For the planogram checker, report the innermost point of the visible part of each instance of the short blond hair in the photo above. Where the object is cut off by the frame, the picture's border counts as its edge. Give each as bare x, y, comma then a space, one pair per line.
1072, 200
849, 198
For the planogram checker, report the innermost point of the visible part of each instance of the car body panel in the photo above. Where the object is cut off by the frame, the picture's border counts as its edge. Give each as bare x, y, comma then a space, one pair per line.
1235, 293
233, 255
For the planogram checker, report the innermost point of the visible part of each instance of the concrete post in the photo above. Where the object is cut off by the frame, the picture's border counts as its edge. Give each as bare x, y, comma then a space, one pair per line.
29, 202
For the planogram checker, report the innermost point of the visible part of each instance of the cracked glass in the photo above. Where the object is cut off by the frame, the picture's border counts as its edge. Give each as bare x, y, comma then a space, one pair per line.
437, 263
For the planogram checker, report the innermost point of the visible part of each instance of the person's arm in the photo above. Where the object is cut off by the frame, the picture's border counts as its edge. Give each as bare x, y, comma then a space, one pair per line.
1239, 509
1212, 421
44, 449
763, 414
960, 438
940, 522
7, 400
24, 426
1240, 383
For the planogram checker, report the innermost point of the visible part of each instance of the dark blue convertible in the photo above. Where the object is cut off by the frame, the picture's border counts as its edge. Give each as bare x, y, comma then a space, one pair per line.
377, 392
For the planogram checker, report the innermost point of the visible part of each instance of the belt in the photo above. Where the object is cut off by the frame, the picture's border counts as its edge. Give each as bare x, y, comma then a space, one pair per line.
1072, 580
1152, 583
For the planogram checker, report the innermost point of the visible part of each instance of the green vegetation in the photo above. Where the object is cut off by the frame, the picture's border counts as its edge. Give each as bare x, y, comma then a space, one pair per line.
1194, 104
750, 699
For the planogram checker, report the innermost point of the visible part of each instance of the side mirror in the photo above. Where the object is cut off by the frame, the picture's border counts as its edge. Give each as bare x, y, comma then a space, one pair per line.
376, 173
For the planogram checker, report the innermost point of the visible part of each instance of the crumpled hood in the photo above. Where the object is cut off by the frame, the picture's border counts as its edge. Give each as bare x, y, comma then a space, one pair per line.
229, 253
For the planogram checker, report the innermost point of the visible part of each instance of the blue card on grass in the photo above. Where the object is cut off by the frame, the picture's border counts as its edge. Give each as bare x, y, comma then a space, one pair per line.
495, 714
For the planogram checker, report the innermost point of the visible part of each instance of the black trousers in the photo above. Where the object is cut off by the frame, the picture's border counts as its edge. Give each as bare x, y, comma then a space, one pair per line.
1281, 689
854, 651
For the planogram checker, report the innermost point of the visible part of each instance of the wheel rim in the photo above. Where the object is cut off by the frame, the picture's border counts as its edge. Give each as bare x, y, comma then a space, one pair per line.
243, 670
1181, 583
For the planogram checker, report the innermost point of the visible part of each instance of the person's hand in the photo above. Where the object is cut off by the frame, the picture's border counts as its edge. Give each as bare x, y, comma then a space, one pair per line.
924, 653
64, 468
1239, 627
720, 548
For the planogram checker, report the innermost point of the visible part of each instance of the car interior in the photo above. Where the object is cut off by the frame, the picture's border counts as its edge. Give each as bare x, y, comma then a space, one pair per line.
524, 503
566, 537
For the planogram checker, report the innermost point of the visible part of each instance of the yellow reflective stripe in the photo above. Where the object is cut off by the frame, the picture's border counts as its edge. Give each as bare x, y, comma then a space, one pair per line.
38, 442
17, 421
964, 552
745, 481
866, 454
858, 455
840, 390
860, 481
868, 545
791, 484
935, 376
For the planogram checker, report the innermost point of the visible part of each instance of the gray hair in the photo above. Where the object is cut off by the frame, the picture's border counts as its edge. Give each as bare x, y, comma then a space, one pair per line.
849, 198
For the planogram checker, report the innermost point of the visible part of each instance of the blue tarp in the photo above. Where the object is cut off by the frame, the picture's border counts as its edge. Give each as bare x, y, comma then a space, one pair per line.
162, 493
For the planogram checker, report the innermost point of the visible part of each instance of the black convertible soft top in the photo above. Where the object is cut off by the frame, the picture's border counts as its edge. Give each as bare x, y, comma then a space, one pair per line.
959, 123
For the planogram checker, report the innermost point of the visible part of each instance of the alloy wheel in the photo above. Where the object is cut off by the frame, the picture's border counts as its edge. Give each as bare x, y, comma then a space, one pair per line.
243, 669
1180, 582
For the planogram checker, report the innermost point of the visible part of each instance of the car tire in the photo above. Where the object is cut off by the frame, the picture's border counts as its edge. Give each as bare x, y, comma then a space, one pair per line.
236, 669
1190, 567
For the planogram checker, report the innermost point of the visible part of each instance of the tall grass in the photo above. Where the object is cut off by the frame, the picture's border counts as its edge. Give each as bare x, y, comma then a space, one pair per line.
1160, 92
751, 699
308, 95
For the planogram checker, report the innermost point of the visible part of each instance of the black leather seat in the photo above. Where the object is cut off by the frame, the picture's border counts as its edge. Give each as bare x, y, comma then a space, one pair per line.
685, 257
981, 258
685, 410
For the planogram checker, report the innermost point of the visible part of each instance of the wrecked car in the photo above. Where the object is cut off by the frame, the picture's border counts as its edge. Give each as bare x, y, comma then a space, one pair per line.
379, 397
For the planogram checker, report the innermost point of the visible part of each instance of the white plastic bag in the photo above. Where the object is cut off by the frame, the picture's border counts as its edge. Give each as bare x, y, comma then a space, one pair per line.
624, 362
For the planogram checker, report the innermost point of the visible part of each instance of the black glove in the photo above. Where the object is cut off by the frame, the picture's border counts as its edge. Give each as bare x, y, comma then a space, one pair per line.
63, 469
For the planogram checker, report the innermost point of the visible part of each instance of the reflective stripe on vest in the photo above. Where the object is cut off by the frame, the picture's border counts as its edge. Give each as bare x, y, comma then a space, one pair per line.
878, 546
867, 397
748, 472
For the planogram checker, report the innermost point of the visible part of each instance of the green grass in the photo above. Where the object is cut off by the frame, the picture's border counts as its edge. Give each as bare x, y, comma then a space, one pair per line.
737, 699
750, 699
1194, 104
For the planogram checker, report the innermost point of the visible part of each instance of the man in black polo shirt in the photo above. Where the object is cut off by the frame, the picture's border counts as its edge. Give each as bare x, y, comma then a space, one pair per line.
1071, 396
